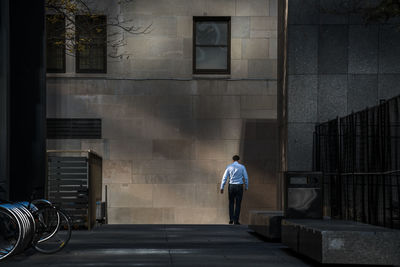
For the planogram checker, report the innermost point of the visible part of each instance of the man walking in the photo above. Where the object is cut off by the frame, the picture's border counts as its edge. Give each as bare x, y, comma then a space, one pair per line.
236, 172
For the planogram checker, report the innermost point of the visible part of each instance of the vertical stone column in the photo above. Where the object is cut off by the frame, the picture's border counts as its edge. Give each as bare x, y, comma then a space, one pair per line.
4, 93
27, 98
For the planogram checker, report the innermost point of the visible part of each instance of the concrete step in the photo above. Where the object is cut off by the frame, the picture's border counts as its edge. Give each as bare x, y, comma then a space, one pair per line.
342, 242
266, 223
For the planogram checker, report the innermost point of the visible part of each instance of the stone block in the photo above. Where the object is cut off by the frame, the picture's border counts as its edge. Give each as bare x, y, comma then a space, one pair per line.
273, 8
303, 49
207, 129
184, 26
239, 69
342, 242
302, 98
231, 128
164, 47
389, 86
126, 149
240, 27
389, 54
236, 48
175, 195
303, 11
263, 68
95, 145
216, 107
258, 102
173, 107
258, 114
173, 149
363, 49
211, 87
248, 87
210, 149
169, 128
117, 171
262, 34
196, 215
273, 48
263, 24
333, 12
63, 144
300, 146
255, 48
252, 8
220, 7
209, 196
122, 128
266, 223
332, 97
137, 215
130, 195
362, 92
333, 49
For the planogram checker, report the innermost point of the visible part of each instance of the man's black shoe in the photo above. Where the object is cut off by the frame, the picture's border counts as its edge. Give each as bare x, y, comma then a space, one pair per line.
230, 222
237, 223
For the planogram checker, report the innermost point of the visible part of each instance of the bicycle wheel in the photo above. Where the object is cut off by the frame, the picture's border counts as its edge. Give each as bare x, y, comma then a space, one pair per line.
50, 218
10, 233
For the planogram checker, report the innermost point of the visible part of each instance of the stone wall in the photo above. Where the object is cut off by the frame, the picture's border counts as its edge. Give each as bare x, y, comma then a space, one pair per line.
336, 65
167, 134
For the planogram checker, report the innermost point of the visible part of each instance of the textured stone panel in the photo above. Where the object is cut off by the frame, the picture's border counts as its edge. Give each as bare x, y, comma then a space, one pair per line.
240, 27
211, 87
273, 7
389, 86
389, 52
248, 88
184, 26
303, 49
94, 145
141, 215
273, 48
258, 102
300, 146
333, 12
258, 114
196, 215
125, 149
63, 144
210, 149
173, 149
333, 46
236, 48
255, 48
263, 23
239, 69
362, 92
332, 97
209, 196
220, 7
166, 48
303, 11
176, 195
174, 107
262, 196
363, 49
130, 195
263, 68
252, 8
169, 128
302, 98
122, 128
208, 129
216, 107
117, 171
231, 129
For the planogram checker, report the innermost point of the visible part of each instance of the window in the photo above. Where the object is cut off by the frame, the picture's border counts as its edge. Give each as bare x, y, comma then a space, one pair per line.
73, 128
91, 36
211, 45
55, 43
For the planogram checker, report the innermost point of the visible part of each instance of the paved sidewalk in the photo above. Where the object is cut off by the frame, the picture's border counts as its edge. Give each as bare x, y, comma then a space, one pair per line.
164, 245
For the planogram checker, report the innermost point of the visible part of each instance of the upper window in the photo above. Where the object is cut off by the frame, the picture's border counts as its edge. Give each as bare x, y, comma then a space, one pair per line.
211, 45
55, 43
91, 36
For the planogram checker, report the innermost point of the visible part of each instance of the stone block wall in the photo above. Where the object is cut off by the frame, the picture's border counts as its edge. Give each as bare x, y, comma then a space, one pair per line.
168, 135
336, 65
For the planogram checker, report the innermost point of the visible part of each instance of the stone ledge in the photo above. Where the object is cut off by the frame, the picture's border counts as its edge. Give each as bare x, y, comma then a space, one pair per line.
342, 242
266, 223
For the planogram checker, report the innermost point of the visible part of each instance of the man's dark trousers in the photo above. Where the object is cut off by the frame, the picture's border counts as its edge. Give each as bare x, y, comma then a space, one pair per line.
235, 199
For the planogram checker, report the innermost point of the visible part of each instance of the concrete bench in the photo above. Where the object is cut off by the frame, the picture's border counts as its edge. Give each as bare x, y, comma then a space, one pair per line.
342, 242
266, 223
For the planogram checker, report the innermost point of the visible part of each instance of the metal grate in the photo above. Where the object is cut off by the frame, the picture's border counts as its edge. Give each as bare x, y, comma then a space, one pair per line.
73, 128
360, 157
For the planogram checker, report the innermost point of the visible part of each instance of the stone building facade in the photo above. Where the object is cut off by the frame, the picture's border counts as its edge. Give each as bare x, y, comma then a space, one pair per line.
167, 134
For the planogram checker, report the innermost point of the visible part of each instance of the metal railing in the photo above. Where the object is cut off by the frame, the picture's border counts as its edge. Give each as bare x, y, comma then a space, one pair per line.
359, 156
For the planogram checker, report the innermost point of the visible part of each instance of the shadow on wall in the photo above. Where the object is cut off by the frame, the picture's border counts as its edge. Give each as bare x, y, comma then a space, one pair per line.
259, 153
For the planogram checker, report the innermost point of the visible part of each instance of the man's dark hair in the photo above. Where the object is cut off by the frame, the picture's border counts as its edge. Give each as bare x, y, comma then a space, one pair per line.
235, 158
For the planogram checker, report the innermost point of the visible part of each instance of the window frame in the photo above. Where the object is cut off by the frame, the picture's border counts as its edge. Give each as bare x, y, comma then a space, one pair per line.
77, 54
228, 45
63, 69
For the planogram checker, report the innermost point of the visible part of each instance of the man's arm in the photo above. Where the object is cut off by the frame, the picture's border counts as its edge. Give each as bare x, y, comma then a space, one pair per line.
246, 178
224, 178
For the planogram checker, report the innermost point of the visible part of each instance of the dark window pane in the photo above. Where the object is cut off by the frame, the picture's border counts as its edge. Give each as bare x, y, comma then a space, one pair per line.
91, 39
212, 58
211, 33
55, 43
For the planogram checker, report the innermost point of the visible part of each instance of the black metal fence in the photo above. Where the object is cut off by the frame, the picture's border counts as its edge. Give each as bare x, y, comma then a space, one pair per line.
359, 155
